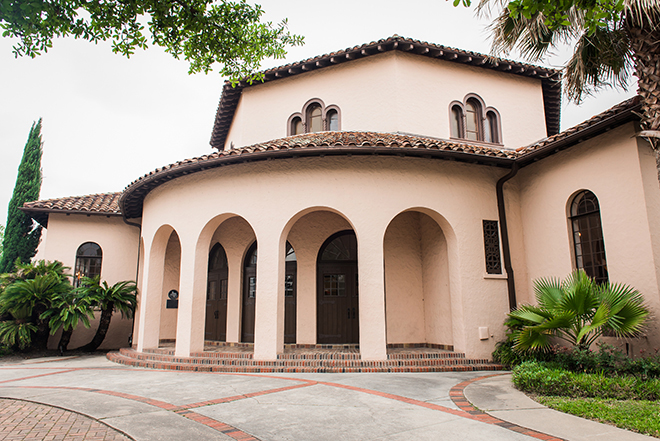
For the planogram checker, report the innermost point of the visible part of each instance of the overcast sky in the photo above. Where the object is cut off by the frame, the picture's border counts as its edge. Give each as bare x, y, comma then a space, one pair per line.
108, 120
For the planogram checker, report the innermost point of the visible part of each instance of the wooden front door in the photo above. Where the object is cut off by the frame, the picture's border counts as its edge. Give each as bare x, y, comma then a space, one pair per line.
249, 294
337, 290
216, 295
290, 294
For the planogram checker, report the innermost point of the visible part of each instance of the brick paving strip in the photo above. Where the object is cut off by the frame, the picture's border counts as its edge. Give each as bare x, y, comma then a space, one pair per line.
467, 410
457, 395
26, 421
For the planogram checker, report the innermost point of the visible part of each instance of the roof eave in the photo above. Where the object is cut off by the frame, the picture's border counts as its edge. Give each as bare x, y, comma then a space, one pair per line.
133, 196
627, 115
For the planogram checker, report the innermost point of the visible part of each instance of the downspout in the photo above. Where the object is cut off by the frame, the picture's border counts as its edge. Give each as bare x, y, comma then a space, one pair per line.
506, 252
137, 268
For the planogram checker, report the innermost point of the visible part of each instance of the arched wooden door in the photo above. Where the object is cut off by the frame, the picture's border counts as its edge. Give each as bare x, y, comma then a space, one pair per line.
216, 295
290, 294
337, 290
249, 294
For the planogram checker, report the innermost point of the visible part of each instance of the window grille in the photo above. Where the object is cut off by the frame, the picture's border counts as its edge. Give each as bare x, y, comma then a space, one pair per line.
492, 247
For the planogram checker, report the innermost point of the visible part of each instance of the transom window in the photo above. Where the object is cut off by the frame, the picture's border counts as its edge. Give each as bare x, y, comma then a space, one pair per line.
588, 240
88, 262
472, 120
314, 117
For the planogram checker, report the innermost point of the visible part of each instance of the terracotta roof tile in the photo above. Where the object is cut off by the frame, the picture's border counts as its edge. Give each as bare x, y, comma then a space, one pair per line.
603, 116
106, 204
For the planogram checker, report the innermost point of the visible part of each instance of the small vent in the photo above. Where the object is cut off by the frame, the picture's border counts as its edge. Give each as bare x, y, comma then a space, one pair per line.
492, 247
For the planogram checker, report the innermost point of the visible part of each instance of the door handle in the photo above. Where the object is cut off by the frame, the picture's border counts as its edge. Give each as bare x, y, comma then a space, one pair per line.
216, 314
349, 313
353, 312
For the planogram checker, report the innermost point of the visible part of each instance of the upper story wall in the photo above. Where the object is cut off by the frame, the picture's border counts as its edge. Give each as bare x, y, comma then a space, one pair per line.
118, 241
392, 92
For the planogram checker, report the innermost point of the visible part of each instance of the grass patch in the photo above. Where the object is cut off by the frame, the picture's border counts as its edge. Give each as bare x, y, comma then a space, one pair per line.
636, 415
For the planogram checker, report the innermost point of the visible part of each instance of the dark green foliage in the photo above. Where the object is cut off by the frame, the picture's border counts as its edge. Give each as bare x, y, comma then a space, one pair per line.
67, 309
576, 310
506, 356
21, 237
119, 297
544, 379
203, 32
25, 295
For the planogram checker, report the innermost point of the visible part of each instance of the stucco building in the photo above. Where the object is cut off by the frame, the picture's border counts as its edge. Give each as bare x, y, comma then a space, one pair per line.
394, 193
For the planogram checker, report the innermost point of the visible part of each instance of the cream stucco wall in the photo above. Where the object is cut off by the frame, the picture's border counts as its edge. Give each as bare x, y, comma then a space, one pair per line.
392, 92
119, 243
620, 170
368, 192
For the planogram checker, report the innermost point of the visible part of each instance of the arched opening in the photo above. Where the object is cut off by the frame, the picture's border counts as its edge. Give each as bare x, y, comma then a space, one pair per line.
473, 120
297, 127
290, 294
589, 246
418, 303
171, 278
216, 295
314, 118
89, 257
337, 290
332, 120
249, 294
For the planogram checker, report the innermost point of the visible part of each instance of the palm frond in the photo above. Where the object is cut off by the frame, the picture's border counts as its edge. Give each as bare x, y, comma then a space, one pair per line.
604, 59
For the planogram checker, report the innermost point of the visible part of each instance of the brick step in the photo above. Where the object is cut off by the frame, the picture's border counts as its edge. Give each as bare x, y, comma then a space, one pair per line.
312, 363
261, 367
302, 358
311, 354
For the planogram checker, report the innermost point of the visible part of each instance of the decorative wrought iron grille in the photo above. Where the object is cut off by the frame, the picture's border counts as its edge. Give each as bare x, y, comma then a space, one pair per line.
492, 247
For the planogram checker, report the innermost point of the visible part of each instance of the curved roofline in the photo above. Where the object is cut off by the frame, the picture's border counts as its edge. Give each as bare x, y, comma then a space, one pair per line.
550, 78
316, 144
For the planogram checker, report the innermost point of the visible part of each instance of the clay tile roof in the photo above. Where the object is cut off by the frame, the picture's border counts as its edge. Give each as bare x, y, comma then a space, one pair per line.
106, 204
315, 144
627, 110
550, 78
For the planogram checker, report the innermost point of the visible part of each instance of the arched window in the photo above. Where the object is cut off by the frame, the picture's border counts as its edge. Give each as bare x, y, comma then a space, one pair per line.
588, 236
491, 128
88, 262
314, 117
332, 120
472, 120
456, 122
297, 126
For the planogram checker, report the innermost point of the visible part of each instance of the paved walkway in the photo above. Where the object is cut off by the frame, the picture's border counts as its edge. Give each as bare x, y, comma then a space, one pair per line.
168, 405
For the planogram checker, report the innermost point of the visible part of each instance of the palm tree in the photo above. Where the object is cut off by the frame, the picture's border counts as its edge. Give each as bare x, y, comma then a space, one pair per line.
577, 311
121, 297
29, 299
611, 41
67, 309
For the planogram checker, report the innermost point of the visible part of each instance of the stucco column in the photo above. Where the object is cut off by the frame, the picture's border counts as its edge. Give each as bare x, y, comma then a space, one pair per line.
306, 298
269, 313
234, 295
191, 317
150, 299
373, 338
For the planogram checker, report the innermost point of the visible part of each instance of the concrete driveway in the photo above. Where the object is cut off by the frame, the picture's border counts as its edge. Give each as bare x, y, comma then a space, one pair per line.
169, 405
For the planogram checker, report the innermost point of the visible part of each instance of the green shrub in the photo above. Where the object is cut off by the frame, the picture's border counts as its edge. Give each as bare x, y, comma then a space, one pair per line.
550, 379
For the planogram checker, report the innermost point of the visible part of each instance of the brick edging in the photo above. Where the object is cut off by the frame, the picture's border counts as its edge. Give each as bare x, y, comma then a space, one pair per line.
457, 395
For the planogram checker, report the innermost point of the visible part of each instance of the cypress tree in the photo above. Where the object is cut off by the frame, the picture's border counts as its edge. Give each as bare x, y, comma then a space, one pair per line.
21, 237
